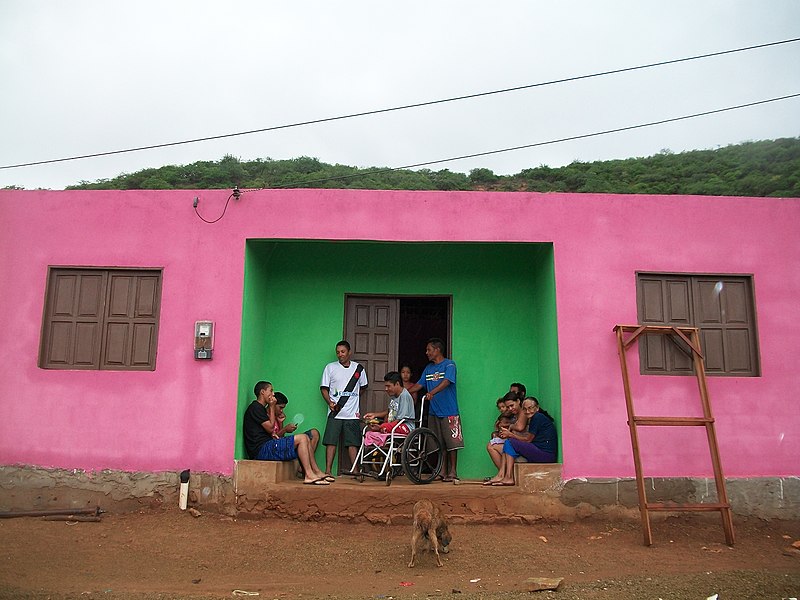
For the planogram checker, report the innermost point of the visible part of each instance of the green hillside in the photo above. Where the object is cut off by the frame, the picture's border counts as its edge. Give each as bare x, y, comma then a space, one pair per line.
764, 168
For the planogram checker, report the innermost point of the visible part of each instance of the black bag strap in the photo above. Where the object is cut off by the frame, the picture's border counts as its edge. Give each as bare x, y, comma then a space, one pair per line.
351, 385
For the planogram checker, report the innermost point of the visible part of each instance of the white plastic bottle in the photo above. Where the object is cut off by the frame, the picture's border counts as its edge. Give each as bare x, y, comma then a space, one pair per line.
184, 494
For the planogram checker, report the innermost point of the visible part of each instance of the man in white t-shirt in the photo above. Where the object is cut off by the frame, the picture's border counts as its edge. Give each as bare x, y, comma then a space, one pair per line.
341, 386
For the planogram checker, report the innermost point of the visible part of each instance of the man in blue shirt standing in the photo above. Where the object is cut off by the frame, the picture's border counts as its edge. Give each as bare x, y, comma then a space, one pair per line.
439, 381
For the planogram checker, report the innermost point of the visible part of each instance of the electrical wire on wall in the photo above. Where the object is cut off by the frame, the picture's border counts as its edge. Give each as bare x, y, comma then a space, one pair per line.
236, 193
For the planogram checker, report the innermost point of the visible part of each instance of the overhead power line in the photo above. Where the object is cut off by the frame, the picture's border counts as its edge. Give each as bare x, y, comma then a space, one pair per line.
403, 107
534, 145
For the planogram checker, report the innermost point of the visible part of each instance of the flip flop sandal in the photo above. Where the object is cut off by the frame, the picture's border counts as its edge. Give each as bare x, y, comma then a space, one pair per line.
316, 482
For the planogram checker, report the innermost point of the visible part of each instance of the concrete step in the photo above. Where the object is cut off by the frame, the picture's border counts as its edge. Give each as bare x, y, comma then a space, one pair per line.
265, 488
249, 475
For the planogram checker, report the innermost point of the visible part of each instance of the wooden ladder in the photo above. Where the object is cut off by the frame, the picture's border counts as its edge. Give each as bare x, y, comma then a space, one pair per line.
691, 337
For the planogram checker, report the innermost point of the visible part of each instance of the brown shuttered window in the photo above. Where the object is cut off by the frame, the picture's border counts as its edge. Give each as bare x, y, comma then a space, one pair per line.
101, 319
723, 309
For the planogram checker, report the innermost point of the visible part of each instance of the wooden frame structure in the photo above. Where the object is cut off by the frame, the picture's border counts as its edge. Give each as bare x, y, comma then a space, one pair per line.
691, 337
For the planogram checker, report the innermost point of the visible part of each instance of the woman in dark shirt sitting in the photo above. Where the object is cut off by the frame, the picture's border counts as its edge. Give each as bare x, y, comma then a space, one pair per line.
538, 444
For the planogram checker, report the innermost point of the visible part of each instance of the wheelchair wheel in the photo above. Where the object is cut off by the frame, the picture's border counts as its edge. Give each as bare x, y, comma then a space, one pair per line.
422, 455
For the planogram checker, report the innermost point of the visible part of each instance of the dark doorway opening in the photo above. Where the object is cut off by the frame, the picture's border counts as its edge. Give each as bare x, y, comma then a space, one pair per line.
420, 319
387, 332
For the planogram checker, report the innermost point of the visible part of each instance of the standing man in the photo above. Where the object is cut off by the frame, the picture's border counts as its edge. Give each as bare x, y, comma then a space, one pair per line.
519, 389
341, 386
439, 381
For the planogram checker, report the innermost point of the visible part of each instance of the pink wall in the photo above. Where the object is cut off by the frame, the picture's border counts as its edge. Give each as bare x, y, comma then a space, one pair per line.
170, 418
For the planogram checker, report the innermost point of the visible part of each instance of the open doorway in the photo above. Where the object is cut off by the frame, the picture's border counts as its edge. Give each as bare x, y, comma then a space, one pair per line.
387, 332
421, 318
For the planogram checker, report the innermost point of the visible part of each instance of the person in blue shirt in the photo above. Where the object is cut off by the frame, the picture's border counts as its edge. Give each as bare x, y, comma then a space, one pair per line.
438, 379
538, 444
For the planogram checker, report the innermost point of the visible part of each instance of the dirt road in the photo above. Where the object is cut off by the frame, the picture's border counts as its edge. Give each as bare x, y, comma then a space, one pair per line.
163, 553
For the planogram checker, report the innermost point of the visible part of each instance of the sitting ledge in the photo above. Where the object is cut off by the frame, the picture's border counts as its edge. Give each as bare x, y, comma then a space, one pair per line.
538, 477
249, 475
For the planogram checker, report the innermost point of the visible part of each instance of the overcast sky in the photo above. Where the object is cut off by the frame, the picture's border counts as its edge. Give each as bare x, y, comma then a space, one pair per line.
90, 76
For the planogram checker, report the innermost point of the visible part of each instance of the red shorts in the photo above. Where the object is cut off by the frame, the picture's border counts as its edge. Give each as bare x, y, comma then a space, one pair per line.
387, 427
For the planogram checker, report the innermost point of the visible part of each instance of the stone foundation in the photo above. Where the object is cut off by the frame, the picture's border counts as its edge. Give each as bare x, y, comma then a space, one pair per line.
34, 488
261, 488
763, 497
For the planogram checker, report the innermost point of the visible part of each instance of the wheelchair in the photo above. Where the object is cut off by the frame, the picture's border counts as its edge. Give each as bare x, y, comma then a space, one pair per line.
418, 454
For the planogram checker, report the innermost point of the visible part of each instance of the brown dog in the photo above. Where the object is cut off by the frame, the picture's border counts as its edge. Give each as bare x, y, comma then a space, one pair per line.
430, 525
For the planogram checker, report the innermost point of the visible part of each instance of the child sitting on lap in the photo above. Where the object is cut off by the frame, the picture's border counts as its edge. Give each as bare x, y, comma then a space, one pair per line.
505, 419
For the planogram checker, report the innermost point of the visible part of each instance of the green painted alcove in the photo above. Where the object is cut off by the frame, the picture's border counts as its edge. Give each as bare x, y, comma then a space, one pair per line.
503, 321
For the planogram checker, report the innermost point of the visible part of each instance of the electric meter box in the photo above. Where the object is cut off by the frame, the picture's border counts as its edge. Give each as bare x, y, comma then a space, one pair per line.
203, 340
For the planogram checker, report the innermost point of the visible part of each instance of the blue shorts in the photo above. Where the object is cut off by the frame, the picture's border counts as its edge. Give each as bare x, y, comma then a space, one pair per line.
280, 449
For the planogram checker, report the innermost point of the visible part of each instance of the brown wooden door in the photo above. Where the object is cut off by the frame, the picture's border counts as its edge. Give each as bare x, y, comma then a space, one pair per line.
371, 327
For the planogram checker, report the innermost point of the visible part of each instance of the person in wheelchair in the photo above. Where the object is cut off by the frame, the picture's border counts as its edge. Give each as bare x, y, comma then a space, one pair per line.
400, 408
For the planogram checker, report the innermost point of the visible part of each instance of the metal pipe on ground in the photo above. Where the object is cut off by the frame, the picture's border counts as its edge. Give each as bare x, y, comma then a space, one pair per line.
11, 514
74, 518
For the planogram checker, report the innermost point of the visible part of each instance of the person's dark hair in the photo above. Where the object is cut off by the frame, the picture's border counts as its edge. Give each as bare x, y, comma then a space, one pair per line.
260, 386
541, 410
522, 389
393, 377
437, 343
281, 399
511, 396
344, 343
501, 401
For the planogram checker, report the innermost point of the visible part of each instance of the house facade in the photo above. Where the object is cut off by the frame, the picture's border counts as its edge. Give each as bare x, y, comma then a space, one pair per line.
103, 291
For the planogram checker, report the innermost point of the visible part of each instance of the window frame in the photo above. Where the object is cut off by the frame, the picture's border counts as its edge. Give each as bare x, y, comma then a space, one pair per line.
677, 360
116, 315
